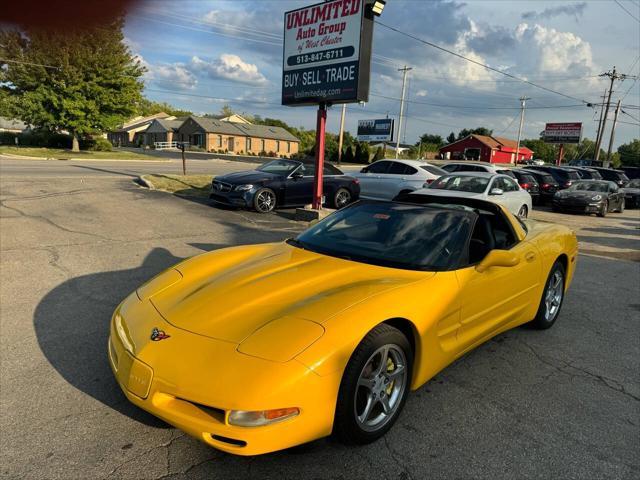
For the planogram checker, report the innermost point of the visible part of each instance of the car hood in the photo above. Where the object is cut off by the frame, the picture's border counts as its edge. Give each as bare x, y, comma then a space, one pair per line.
250, 176
231, 293
580, 195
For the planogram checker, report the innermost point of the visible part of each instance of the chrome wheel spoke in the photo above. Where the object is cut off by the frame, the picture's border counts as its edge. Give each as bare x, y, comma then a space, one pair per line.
386, 408
384, 359
367, 409
397, 372
367, 383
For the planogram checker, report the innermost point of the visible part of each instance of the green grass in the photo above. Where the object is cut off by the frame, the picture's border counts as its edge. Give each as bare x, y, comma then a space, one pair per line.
59, 153
184, 185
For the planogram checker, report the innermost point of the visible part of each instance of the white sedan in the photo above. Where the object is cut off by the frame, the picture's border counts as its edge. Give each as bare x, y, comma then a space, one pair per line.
385, 179
493, 187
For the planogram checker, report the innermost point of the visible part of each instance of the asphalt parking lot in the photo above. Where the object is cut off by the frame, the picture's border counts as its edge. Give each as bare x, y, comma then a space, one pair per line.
76, 237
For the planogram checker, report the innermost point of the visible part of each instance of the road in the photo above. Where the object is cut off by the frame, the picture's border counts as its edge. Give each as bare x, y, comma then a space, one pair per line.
76, 237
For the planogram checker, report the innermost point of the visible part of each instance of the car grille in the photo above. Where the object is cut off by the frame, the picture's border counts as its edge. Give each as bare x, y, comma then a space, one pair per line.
218, 186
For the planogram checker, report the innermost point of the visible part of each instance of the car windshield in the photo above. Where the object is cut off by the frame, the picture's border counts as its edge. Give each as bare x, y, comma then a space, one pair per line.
279, 167
460, 183
634, 183
413, 237
589, 187
433, 170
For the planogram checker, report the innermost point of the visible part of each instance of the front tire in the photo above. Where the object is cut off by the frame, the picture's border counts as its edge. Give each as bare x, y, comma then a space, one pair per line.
264, 201
603, 210
374, 386
523, 212
552, 298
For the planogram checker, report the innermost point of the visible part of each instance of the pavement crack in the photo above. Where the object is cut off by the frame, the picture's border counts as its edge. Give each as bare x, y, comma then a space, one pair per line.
396, 458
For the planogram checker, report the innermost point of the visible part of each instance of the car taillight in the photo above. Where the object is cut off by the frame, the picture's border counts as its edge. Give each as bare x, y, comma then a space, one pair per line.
430, 181
525, 185
567, 183
355, 181
546, 186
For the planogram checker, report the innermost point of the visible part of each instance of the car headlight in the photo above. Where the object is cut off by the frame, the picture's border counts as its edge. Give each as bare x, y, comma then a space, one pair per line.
595, 198
121, 333
242, 418
244, 188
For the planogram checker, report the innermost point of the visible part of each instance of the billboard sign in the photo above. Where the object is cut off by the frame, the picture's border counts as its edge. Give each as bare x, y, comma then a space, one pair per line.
380, 130
327, 53
562, 132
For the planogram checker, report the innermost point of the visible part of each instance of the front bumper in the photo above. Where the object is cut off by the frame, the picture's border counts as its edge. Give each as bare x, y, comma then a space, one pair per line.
237, 199
193, 382
576, 207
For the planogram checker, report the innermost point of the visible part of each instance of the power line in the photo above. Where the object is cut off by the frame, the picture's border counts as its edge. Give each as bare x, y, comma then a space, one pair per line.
29, 63
628, 12
480, 107
451, 52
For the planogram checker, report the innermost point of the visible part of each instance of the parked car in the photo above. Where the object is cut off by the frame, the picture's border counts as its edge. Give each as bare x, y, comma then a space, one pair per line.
385, 179
258, 348
590, 196
528, 182
548, 185
283, 183
585, 162
563, 176
477, 167
617, 176
632, 193
586, 173
631, 172
491, 187
534, 161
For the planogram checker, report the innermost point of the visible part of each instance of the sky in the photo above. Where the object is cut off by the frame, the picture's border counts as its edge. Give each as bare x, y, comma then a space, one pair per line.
201, 55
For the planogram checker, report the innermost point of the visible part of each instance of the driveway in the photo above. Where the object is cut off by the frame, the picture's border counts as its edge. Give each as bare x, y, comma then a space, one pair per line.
75, 239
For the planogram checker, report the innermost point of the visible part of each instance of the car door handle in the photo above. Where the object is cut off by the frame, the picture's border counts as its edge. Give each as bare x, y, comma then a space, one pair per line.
530, 256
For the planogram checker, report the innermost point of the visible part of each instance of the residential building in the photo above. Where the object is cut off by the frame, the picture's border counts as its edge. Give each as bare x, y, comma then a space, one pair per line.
486, 149
234, 137
12, 126
161, 130
131, 133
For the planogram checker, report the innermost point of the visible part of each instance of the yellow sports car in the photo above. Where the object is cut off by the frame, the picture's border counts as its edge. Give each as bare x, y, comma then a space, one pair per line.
257, 348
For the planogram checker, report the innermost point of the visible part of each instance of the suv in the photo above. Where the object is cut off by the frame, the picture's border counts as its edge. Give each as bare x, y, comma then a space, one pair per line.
476, 167
616, 176
586, 173
563, 176
548, 185
529, 183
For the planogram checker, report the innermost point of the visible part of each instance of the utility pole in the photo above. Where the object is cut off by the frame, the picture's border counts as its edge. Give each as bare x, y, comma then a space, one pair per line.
523, 101
344, 107
613, 132
613, 75
600, 121
404, 71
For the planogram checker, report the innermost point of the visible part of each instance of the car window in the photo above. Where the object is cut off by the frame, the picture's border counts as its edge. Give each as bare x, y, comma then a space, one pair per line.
498, 183
330, 170
409, 170
396, 168
379, 167
613, 188
509, 185
307, 169
433, 170
573, 175
459, 183
279, 167
450, 168
508, 172
623, 177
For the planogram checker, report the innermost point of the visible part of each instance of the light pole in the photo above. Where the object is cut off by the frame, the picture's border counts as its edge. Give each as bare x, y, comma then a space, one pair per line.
404, 71
523, 101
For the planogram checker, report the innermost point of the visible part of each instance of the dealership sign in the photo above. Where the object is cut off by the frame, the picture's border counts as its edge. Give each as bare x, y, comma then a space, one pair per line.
562, 132
327, 53
380, 130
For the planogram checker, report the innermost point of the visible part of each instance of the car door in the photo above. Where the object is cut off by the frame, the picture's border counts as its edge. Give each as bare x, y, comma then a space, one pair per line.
513, 196
391, 181
498, 296
298, 190
371, 179
615, 197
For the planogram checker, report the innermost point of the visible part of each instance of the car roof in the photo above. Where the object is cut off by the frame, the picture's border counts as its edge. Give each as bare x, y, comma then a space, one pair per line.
413, 163
472, 162
475, 174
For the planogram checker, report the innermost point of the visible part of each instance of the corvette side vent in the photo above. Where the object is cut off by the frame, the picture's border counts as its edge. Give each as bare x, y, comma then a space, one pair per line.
230, 441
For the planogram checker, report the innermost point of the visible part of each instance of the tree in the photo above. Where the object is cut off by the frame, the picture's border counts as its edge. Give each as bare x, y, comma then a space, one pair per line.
465, 132
226, 111
90, 85
431, 139
630, 153
545, 151
451, 138
347, 157
148, 107
379, 154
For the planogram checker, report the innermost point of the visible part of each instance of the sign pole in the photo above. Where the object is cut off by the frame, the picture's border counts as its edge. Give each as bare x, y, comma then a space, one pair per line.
320, 129
560, 154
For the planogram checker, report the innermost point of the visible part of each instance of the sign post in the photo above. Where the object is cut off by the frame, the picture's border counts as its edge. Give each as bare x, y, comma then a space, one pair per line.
326, 60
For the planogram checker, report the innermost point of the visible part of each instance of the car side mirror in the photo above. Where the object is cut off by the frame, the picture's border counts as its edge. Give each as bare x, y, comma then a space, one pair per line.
498, 258
496, 191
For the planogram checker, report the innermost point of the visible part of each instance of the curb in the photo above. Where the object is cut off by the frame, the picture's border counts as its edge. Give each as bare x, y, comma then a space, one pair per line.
146, 182
76, 159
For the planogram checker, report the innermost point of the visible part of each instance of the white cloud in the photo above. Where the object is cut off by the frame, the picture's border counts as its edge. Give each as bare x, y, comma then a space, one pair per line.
169, 75
230, 67
421, 93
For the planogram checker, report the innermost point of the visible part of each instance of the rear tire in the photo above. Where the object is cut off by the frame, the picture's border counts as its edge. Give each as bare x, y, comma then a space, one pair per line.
552, 298
374, 386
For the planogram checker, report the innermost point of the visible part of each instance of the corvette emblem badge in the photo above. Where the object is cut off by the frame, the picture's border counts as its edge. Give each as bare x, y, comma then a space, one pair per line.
157, 335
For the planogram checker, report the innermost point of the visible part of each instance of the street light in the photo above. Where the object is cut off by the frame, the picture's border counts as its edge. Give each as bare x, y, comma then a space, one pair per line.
377, 7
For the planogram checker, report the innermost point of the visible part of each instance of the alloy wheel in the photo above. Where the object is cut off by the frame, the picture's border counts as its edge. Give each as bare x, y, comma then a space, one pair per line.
343, 197
553, 296
381, 387
265, 201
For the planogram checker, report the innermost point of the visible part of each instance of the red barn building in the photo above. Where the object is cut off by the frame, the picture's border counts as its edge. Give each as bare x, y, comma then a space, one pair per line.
485, 149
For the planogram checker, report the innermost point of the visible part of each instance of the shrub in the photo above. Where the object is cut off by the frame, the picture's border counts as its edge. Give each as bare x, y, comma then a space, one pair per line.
263, 153
272, 154
100, 144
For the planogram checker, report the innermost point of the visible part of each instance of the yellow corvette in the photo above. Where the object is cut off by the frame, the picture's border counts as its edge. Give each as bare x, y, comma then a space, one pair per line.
257, 348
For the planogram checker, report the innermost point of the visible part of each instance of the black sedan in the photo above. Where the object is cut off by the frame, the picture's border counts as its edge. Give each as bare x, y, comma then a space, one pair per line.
283, 183
632, 193
548, 185
590, 196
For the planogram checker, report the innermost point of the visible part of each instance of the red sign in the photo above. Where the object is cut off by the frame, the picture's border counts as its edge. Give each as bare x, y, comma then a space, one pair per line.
562, 132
